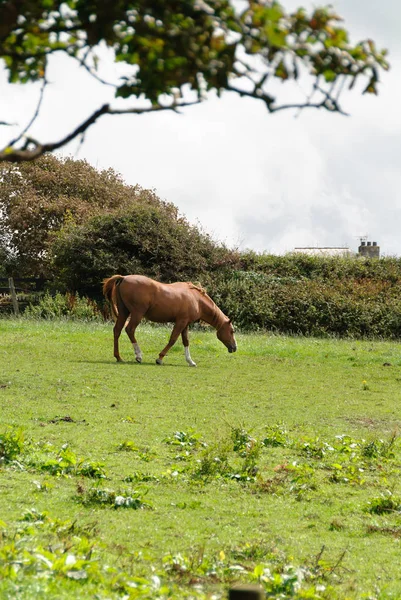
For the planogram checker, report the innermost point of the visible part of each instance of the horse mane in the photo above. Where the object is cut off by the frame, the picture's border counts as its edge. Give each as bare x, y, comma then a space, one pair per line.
218, 314
199, 288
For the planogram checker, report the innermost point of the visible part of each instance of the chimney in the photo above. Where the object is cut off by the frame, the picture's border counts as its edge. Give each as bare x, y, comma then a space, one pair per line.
369, 250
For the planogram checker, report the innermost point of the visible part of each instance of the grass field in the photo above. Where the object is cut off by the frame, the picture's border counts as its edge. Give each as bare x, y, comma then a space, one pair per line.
278, 464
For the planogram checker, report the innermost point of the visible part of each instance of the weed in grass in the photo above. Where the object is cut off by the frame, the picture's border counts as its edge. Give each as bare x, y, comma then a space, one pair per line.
27, 563
242, 440
336, 524
213, 462
66, 462
129, 420
62, 463
275, 436
294, 479
257, 552
185, 440
315, 448
145, 453
346, 473
104, 497
345, 444
138, 477
380, 448
194, 505
249, 465
43, 486
127, 446
384, 504
11, 445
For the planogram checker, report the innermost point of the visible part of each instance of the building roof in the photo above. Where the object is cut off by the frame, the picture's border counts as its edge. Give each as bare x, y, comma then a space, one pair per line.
324, 251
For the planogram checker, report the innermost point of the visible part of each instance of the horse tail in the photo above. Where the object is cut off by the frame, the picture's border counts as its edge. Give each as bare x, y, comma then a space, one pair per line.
109, 291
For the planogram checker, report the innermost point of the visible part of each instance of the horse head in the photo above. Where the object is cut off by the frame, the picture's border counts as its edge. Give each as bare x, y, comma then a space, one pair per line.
226, 335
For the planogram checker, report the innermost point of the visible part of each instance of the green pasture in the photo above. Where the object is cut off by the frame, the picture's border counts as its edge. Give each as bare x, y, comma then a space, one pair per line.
279, 464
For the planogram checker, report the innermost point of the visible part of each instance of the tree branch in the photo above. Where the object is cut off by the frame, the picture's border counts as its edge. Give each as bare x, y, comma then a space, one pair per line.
34, 117
26, 154
82, 62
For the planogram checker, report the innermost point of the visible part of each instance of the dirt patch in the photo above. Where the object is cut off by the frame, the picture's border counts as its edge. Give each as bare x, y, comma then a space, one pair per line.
66, 419
370, 423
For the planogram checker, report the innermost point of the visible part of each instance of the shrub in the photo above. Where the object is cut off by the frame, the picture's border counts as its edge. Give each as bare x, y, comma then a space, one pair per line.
11, 444
67, 306
310, 306
149, 240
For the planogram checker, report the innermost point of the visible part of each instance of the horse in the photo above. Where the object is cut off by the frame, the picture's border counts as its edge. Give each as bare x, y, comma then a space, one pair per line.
181, 303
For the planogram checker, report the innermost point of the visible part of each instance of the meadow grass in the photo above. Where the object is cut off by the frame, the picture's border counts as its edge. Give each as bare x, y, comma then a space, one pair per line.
236, 467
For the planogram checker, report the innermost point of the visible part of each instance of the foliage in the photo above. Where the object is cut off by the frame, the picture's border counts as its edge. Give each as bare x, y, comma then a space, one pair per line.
146, 239
386, 503
351, 299
186, 441
105, 497
143, 453
63, 306
11, 445
48, 557
38, 199
276, 435
200, 45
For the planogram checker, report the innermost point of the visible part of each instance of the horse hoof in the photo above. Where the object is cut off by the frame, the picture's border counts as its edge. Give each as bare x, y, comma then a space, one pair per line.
159, 361
138, 360
192, 364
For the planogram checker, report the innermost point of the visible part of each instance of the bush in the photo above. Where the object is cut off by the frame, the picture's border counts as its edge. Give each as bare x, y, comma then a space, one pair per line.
149, 240
67, 306
317, 306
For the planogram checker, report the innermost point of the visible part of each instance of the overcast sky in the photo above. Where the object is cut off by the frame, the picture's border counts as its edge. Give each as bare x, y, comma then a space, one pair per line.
254, 180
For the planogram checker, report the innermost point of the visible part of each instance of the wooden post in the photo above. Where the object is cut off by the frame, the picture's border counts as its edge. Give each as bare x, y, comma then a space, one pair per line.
246, 592
13, 295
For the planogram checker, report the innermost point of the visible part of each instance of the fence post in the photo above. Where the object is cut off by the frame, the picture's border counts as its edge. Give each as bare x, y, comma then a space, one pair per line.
13, 295
246, 592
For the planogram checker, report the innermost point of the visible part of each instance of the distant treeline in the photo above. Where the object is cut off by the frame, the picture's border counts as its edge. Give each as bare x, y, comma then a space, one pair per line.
73, 225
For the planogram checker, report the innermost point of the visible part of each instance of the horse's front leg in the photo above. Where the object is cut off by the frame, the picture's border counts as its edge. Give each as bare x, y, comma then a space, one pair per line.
177, 329
130, 330
185, 341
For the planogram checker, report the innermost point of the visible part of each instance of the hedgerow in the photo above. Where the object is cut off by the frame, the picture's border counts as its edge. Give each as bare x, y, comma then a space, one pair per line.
360, 307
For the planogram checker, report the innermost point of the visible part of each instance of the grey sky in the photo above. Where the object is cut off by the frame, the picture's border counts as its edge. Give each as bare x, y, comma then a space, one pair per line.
267, 182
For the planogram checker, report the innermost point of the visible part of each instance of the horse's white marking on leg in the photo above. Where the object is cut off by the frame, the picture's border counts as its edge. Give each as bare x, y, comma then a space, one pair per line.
138, 353
188, 357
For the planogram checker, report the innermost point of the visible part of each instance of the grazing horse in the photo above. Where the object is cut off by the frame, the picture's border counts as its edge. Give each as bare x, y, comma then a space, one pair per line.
180, 303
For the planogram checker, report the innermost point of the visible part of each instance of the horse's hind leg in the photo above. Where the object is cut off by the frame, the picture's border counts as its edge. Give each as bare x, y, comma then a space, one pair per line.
185, 341
119, 324
130, 330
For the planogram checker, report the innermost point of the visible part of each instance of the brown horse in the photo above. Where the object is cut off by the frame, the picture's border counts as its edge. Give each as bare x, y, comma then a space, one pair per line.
181, 303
